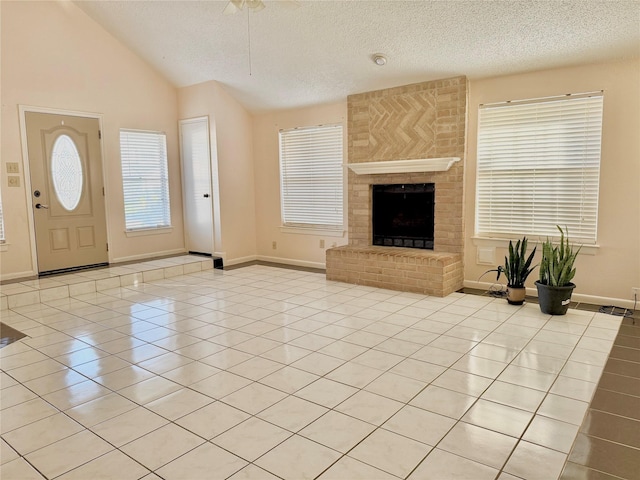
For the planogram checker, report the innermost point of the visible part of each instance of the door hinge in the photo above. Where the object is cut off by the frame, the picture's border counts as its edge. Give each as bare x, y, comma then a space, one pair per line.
99, 135
107, 246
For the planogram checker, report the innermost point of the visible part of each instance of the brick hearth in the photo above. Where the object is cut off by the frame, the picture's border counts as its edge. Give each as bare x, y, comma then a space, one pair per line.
406, 269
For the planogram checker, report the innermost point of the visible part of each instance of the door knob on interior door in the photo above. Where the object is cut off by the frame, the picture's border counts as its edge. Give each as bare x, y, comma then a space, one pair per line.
39, 205
206, 195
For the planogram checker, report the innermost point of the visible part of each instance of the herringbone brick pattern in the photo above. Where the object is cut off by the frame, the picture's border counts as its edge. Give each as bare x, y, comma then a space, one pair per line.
402, 126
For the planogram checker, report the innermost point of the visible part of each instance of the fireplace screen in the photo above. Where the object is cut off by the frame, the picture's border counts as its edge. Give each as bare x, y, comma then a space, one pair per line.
403, 215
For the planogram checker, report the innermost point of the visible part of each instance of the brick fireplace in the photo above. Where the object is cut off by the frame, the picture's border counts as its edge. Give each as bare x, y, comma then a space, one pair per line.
421, 121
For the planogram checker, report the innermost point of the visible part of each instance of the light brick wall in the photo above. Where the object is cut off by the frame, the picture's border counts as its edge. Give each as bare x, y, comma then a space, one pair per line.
423, 120
405, 269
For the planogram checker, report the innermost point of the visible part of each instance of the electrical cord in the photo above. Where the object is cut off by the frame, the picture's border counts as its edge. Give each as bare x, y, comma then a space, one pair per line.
496, 290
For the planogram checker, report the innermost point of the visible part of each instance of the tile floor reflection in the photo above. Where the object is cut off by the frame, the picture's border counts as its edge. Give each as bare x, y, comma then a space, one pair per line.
263, 372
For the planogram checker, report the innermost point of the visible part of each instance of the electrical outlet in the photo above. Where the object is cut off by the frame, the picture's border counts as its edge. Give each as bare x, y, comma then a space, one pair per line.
13, 181
635, 293
321, 243
13, 167
274, 245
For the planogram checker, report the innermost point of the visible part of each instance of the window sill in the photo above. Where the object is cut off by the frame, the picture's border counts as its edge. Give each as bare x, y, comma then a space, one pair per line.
504, 243
319, 231
4, 247
148, 231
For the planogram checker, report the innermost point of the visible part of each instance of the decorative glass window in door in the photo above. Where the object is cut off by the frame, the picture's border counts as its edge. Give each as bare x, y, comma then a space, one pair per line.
66, 172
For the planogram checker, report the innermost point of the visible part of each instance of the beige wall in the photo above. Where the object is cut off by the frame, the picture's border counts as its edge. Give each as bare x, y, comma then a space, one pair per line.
615, 266
54, 56
297, 249
231, 132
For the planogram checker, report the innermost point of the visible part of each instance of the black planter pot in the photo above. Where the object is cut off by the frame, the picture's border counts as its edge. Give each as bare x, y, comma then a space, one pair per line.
554, 300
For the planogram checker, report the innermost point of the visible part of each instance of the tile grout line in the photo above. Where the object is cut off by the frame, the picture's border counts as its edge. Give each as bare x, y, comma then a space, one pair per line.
335, 340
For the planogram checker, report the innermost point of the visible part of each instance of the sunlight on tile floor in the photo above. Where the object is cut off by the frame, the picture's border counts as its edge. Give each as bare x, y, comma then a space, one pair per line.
265, 372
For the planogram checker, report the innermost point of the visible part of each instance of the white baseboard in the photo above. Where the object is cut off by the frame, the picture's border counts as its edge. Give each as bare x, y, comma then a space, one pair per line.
12, 276
597, 300
236, 261
145, 256
576, 297
292, 261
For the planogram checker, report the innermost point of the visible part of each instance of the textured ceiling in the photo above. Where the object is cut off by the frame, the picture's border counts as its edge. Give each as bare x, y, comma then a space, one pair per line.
321, 52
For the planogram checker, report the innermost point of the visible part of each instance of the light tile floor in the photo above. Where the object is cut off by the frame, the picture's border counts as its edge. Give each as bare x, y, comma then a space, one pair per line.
264, 372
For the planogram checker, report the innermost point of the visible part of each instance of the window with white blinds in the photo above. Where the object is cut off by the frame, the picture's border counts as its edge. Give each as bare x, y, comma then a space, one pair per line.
2, 239
311, 177
539, 166
145, 179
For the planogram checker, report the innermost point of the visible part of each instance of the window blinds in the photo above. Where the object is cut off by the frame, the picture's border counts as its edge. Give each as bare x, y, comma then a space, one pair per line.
145, 179
539, 166
311, 174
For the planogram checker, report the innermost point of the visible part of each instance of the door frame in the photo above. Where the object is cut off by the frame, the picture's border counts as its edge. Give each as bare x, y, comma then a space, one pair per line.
23, 109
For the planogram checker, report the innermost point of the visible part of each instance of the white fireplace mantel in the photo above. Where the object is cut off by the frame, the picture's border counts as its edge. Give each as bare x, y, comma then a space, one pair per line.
404, 166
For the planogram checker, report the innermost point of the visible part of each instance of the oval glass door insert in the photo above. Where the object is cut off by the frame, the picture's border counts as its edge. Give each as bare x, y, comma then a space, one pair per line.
66, 172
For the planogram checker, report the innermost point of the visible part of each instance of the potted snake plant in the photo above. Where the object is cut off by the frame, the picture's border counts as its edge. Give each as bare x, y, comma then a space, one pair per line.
556, 272
517, 267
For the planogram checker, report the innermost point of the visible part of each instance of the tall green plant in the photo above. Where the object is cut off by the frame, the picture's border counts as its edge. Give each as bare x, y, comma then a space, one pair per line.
517, 266
556, 267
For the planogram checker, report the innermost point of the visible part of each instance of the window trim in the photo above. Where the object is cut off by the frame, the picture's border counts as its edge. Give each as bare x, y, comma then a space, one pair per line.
325, 232
3, 234
141, 232
480, 241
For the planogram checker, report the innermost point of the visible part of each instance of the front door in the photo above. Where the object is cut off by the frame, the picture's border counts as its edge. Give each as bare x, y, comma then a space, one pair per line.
196, 180
67, 191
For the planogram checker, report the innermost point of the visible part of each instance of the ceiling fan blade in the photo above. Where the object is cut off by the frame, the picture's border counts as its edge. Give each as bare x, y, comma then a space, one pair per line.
233, 6
255, 5
230, 9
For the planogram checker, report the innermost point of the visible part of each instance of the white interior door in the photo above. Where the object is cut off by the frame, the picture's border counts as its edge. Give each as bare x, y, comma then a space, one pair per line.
196, 188
65, 163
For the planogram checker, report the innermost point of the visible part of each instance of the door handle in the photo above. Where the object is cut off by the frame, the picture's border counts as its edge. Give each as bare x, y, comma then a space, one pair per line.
39, 205
206, 195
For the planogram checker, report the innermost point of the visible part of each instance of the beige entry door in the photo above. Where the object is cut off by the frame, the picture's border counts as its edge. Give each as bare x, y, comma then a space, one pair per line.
67, 191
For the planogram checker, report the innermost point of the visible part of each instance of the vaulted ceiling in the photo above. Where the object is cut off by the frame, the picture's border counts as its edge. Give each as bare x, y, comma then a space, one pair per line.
283, 57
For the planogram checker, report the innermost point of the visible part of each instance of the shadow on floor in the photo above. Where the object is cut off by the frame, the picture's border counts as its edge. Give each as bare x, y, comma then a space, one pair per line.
9, 335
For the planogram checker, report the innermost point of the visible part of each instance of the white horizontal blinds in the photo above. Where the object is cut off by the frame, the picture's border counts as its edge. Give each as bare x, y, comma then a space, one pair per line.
311, 176
145, 179
2, 239
539, 166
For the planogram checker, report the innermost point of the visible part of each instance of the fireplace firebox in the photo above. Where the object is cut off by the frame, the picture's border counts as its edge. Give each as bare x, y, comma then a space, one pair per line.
403, 215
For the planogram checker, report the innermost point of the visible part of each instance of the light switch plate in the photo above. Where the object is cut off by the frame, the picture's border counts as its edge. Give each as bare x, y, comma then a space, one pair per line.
13, 167
13, 181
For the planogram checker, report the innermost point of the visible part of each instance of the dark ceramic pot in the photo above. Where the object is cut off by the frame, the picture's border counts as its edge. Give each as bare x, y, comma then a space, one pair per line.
554, 300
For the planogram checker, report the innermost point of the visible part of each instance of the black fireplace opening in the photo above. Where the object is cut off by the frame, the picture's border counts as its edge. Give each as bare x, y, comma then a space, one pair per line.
403, 215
